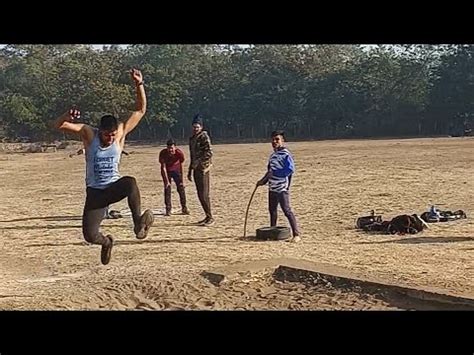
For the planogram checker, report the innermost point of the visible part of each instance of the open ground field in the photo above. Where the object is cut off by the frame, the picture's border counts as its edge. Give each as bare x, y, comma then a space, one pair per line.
45, 264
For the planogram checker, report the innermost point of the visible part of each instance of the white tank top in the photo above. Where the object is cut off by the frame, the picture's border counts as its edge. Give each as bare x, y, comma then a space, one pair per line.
102, 164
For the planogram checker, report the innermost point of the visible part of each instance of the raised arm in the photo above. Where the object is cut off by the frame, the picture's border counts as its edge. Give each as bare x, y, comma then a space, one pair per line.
140, 110
66, 122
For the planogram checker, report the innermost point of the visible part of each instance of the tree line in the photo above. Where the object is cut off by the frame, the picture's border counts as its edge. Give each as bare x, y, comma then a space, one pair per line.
243, 92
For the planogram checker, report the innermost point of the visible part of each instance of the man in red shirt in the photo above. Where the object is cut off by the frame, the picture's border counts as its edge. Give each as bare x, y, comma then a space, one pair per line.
171, 160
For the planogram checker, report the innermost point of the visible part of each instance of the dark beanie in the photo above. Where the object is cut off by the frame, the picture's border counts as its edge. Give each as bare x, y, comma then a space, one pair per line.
170, 142
197, 119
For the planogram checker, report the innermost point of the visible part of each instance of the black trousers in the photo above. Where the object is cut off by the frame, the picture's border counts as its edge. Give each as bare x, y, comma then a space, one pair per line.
97, 201
178, 180
282, 198
202, 181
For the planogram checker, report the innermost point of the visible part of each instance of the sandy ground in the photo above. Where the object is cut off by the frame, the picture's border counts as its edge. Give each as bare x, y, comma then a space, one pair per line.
44, 263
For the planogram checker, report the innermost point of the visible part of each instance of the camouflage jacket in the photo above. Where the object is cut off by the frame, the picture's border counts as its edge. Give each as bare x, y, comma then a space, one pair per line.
200, 151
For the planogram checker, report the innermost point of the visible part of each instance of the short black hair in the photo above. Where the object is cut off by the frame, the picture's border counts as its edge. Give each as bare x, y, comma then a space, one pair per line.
170, 142
278, 133
108, 123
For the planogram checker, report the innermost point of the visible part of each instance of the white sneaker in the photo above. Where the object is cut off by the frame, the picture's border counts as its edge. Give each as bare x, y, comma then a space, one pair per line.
295, 239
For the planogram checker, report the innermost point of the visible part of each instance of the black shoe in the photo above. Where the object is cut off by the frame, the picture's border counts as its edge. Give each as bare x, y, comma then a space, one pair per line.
201, 222
106, 251
113, 214
208, 222
185, 211
146, 221
168, 213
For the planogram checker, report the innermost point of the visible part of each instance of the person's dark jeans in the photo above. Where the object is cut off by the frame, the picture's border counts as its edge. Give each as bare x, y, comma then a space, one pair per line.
178, 180
97, 201
282, 198
202, 181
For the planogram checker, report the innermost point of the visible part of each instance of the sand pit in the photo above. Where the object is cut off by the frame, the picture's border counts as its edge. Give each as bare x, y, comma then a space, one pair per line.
325, 286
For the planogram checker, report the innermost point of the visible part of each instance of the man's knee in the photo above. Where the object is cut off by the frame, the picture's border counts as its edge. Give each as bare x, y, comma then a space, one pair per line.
129, 180
129, 184
288, 212
91, 236
273, 209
